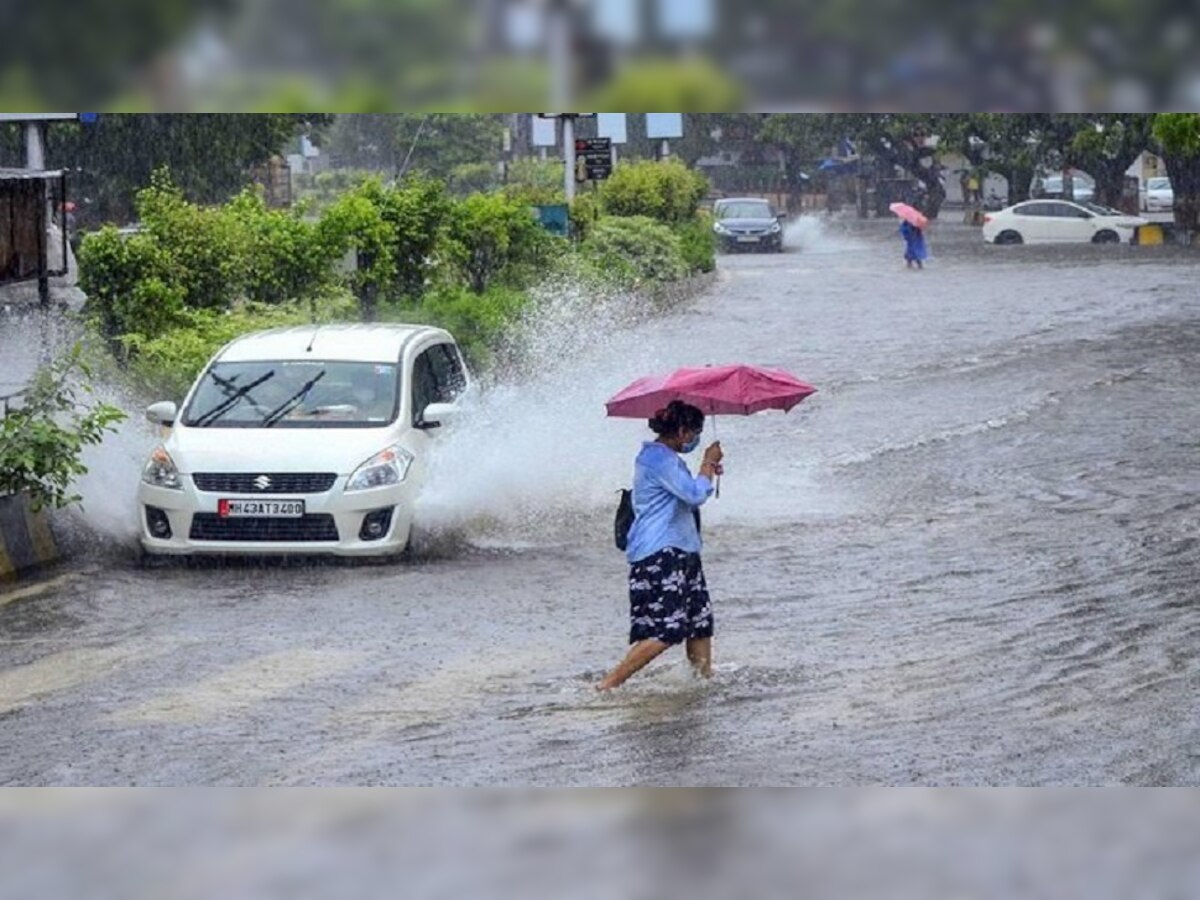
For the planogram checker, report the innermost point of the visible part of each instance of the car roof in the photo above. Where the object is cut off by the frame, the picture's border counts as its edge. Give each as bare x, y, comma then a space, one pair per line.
369, 343
743, 200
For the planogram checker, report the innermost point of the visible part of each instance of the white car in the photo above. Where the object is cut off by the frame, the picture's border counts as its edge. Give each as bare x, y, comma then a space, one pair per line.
301, 440
1054, 221
1160, 197
1083, 188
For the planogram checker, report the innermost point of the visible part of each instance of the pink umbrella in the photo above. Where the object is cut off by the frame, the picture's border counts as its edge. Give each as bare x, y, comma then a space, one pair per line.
910, 214
728, 390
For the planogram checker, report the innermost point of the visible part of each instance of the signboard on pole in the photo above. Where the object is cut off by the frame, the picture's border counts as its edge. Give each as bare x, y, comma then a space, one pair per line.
612, 126
664, 125
594, 158
545, 132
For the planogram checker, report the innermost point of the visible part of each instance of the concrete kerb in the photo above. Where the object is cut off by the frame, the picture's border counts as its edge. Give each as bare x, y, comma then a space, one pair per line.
26, 539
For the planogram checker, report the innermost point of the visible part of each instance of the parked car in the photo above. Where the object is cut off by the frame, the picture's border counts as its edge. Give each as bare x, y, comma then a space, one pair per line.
310, 439
1052, 187
1159, 196
747, 223
1051, 221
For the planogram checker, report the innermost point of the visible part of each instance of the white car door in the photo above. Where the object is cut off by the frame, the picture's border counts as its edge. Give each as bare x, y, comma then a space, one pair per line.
1068, 223
437, 376
1032, 221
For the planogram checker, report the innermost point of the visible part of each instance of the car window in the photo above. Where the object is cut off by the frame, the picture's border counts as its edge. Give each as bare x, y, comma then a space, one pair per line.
294, 394
1158, 184
448, 372
1067, 211
1033, 209
424, 386
744, 209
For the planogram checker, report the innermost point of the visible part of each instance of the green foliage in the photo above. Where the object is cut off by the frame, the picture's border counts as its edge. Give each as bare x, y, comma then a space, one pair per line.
585, 212
491, 236
693, 85
667, 191
636, 249
535, 181
471, 178
478, 321
42, 442
698, 244
1179, 133
169, 362
206, 246
129, 283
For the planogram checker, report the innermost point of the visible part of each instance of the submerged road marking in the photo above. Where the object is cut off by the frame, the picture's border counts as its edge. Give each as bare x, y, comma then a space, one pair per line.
33, 590
238, 689
67, 669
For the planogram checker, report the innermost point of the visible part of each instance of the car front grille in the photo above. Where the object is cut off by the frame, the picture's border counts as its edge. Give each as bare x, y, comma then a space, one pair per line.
265, 482
311, 527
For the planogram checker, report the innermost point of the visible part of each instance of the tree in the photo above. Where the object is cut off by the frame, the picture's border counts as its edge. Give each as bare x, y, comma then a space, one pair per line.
437, 143
1105, 146
208, 155
1179, 136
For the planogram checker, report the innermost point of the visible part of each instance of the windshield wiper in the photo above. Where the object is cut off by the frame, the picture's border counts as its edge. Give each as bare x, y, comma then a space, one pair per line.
291, 402
228, 403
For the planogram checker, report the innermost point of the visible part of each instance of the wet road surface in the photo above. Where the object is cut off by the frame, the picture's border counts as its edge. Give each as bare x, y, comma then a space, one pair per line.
969, 559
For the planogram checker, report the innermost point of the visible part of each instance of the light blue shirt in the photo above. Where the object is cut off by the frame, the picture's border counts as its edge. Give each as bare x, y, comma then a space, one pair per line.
664, 495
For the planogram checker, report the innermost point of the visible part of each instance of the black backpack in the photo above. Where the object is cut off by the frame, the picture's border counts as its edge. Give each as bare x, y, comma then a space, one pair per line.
623, 520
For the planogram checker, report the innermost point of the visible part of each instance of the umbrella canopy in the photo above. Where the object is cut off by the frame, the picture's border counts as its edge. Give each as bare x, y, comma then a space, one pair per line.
909, 214
724, 390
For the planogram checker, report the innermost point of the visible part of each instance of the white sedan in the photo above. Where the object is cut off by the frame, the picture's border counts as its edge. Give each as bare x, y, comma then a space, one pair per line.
1159, 195
1060, 221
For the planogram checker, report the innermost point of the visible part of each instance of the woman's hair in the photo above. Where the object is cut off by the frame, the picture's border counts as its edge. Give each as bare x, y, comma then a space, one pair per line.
674, 417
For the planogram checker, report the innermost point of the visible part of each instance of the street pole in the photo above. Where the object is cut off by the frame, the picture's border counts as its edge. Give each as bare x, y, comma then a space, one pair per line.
568, 136
35, 160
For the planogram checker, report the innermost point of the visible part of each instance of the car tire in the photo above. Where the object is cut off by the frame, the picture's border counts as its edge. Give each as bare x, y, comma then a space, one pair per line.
1009, 238
1106, 237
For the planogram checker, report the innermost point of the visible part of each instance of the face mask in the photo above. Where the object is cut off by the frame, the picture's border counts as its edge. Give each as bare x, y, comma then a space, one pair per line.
690, 445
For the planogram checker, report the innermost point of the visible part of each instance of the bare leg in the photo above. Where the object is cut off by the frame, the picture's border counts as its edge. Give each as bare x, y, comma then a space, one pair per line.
699, 654
637, 657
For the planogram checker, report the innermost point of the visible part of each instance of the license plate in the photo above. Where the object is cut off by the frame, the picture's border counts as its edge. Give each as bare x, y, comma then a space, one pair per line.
260, 509
748, 239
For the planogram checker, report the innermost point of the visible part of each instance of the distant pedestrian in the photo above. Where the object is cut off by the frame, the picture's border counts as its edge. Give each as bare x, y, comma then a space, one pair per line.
915, 252
668, 596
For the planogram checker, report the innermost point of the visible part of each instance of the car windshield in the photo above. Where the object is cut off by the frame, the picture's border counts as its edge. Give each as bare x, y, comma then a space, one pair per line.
744, 209
1159, 184
294, 394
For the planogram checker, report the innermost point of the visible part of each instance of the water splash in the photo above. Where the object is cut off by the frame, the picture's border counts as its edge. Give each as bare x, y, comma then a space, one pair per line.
819, 234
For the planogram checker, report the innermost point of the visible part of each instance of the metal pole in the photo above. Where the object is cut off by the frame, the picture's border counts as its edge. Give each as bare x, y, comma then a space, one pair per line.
568, 136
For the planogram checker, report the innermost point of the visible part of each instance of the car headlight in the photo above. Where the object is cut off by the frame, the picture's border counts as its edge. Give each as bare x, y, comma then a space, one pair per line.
160, 470
776, 228
388, 466
719, 228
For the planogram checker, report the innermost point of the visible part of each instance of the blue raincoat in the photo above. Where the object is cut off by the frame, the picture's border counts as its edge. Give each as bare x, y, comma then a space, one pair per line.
914, 242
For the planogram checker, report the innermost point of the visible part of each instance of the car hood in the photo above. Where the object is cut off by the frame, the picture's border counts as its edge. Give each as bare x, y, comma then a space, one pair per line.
747, 223
339, 450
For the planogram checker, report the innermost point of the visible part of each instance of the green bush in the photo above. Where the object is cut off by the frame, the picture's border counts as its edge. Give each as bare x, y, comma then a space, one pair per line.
491, 237
667, 191
471, 178
536, 182
129, 283
585, 212
286, 258
168, 363
206, 245
698, 244
42, 442
478, 321
636, 249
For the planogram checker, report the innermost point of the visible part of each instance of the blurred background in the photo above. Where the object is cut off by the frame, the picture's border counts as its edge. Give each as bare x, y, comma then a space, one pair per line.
705, 843
631, 55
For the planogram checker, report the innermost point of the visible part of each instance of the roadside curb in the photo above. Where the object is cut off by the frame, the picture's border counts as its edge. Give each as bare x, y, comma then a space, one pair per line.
26, 540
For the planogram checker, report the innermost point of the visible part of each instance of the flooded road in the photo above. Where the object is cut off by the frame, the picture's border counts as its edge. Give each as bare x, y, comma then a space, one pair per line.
969, 559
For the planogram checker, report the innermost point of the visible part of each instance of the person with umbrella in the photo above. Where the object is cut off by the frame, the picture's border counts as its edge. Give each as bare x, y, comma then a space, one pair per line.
912, 228
668, 595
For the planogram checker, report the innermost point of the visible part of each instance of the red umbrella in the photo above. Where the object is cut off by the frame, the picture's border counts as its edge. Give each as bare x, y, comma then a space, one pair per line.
910, 214
728, 390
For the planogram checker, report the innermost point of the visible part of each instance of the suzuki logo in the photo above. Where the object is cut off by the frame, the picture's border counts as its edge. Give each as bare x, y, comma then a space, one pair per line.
262, 482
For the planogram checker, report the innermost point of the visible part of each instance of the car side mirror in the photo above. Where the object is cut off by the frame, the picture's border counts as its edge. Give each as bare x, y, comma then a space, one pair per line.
162, 413
437, 414
782, 217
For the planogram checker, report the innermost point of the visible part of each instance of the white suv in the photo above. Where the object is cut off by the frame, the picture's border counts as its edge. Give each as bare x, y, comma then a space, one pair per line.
301, 440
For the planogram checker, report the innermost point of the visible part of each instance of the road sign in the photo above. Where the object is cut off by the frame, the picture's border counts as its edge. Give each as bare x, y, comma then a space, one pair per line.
594, 157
